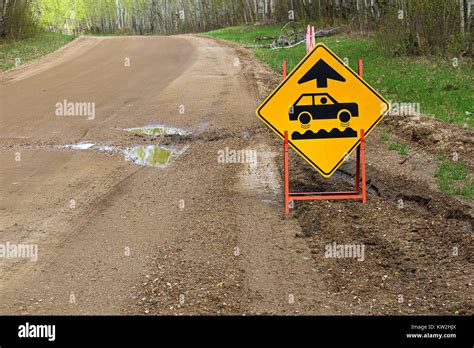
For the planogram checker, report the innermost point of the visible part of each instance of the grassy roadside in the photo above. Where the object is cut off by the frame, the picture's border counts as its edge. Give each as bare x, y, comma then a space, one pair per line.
442, 89
453, 178
14, 53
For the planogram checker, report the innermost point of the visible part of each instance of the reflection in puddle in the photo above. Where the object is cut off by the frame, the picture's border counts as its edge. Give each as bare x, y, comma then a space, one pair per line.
151, 155
157, 130
145, 155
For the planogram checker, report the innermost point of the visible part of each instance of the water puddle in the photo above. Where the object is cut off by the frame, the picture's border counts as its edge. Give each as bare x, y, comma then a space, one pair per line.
157, 130
79, 146
145, 155
152, 155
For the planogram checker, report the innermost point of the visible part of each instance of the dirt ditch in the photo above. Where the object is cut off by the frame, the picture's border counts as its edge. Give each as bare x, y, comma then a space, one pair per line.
418, 244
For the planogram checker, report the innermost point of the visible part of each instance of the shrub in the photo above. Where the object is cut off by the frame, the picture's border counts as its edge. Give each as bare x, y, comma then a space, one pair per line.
422, 27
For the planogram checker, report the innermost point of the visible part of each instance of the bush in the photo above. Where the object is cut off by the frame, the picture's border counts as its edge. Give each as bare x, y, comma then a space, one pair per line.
422, 27
18, 20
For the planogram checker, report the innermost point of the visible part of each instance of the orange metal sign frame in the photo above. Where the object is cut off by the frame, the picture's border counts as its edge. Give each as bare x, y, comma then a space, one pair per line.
358, 193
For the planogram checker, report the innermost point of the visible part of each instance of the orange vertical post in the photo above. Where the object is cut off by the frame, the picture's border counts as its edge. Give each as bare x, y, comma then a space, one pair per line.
362, 159
287, 183
357, 175
360, 71
284, 68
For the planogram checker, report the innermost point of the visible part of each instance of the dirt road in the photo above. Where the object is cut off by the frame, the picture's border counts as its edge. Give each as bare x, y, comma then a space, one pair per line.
203, 234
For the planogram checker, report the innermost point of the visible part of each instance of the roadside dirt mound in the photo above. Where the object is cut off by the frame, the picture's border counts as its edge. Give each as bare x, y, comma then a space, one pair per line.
434, 136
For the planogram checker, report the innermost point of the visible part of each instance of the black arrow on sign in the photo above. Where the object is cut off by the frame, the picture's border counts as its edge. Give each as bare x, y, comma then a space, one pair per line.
321, 72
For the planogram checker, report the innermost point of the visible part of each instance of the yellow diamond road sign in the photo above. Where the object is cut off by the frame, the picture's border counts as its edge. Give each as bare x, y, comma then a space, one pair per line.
323, 105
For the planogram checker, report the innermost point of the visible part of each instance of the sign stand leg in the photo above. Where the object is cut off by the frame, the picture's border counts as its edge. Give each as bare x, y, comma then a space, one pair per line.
357, 174
360, 71
362, 159
287, 181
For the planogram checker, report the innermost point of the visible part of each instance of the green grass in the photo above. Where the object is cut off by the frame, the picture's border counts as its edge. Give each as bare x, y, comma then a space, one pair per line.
400, 147
22, 51
453, 178
246, 34
118, 33
443, 91
384, 135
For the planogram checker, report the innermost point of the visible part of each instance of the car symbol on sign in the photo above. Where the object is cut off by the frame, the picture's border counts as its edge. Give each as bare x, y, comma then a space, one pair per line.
321, 106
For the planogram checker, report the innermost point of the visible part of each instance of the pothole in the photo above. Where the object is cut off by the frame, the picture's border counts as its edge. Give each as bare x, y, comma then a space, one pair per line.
145, 155
157, 130
79, 146
152, 155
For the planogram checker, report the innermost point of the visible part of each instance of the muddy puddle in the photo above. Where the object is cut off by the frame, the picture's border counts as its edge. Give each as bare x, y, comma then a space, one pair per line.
157, 130
145, 155
152, 155
79, 146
